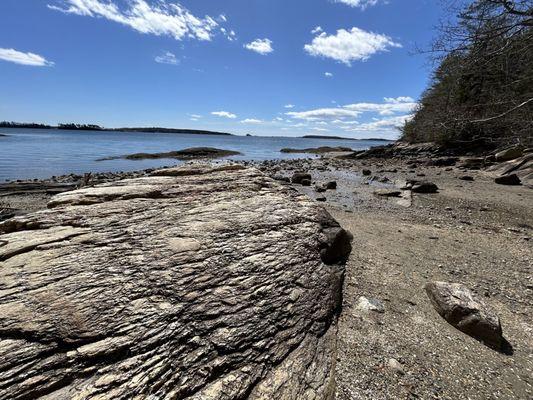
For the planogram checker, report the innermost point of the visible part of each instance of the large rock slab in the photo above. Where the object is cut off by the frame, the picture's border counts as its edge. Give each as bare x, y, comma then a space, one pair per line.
197, 282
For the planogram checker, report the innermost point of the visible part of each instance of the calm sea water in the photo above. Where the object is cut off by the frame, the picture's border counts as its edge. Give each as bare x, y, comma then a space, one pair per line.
35, 153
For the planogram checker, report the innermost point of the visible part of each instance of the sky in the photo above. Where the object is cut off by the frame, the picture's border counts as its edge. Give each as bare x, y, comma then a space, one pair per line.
264, 67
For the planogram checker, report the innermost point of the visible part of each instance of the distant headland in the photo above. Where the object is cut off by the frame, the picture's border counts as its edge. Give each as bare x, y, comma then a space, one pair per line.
91, 127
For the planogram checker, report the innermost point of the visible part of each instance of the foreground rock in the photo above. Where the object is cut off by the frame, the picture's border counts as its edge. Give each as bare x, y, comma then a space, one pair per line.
197, 282
194, 153
457, 305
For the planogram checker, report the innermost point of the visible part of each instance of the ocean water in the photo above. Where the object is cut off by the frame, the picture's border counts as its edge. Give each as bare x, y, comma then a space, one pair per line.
36, 153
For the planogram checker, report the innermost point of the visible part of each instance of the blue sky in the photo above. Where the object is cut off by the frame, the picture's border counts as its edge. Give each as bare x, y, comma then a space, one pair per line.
266, 67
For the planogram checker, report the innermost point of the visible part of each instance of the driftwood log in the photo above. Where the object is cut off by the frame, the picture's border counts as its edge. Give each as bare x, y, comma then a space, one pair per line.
196, 282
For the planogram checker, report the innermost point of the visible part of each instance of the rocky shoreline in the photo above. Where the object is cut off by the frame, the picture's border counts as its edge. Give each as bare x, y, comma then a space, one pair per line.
418, 217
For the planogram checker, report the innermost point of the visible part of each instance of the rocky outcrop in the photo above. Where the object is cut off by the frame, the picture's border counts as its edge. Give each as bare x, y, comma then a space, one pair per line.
193, 153
196, 282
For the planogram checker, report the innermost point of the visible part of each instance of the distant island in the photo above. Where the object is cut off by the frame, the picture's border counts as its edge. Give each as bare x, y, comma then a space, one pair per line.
92, 127
342, 138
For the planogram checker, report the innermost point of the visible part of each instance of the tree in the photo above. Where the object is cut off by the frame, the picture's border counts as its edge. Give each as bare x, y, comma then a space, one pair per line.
482, 88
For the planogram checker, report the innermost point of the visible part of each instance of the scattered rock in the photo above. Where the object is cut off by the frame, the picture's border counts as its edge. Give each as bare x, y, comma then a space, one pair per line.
318, 150
511, 180
424, 187
306, 182
366, 172
282, 178
321, 199
370, 304
394, 365
473, 163
298, 177
457, 305
468, 178
510, 154
332, 185
388, 192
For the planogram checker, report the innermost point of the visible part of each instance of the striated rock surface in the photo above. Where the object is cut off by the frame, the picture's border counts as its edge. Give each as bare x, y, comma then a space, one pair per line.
197, 283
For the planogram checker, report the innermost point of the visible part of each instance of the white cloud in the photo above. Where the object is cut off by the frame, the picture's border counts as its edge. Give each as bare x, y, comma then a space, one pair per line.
324, 113
348, 46
397, 100
251, 121
383, 125
391, 106
167, 58
289, 105
328, 74
318, 29
197, 116
320, 129
224, 114
382, 119
161, 18
19, 57
362, 4
261, 46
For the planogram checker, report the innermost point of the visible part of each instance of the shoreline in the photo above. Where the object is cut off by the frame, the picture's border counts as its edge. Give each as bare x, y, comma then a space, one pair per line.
471, 231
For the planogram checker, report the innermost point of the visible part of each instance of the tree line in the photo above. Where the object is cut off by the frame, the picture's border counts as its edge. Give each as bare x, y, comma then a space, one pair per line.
482, 88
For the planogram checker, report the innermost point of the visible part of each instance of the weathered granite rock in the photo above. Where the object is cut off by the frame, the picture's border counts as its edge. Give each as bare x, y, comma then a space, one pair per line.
457, 305
197, 283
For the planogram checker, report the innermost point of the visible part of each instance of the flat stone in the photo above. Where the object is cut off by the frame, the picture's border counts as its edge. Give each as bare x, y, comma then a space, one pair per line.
388, 192
197, 282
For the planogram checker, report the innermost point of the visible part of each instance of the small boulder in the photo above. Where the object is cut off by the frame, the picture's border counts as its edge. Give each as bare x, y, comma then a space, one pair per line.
367, 172
394, 365
306, 182
509, 154
281, 178
320, 189
512, 179
298, 177
458, 306
467, 178
332, 185
368, 304
424, 187
321, 199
